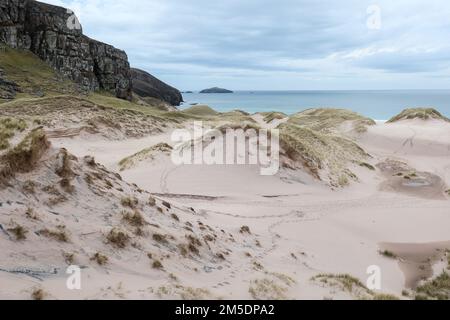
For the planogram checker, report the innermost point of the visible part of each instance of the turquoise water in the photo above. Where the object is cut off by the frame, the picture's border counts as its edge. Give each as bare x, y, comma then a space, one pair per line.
379, 105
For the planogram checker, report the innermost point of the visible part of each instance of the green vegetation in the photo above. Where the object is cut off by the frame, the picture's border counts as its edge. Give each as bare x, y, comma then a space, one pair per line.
58, 235
157, 265
159, 238
24, 156
384, 296
200, 110
388, 254
436, 289
38, 294
330, 120
100, 259
134, 218
145, 154
270, 116
118, 238
130, 202
367, 165
19, 232
351, 285
105, 98
419, 113
347, 282
316, 152
245, 229
33, 75
8, 127
266, 289
154, 110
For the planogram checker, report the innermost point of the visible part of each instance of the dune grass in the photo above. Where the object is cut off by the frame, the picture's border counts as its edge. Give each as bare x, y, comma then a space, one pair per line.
419, 113
267, 289
58, 235
8, 127
271, 116
388, 254
24, 156
201, 110
329, 120
324, 156
436, 289
147, 153
352, 285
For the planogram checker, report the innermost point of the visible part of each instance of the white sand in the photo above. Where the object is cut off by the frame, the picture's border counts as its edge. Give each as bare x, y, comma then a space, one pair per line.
304, 228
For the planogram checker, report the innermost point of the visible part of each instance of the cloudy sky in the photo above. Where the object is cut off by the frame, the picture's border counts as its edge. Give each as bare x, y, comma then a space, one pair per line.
279, 45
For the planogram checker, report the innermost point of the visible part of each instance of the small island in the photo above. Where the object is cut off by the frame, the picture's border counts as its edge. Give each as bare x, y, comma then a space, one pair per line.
216, 90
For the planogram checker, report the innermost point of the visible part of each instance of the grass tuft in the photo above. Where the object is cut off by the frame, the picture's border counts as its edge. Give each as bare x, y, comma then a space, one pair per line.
436, 289
118, 238
58, 235
38, 294
133, 218
157, 265
100, 259
130, 202
20, 233
388, 254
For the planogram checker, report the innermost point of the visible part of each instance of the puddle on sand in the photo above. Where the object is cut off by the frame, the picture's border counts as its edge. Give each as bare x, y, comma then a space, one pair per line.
404, 179
416, 183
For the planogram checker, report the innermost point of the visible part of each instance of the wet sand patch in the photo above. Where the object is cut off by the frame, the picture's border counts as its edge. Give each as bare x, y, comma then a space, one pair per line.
416, 260
403, 179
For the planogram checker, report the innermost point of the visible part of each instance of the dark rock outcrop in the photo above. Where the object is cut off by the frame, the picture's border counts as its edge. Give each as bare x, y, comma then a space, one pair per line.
146, 85
8, 88
53, 34
216, 90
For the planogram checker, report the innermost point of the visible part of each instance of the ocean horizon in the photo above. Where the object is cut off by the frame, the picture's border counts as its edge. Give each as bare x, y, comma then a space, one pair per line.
376, 104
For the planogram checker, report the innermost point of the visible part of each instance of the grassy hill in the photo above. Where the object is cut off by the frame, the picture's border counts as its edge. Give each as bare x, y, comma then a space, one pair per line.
34, 77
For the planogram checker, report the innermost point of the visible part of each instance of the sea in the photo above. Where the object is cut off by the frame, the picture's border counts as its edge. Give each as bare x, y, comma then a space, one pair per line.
375, 104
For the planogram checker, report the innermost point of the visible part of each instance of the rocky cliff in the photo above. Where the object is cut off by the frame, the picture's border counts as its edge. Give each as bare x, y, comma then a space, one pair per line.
8, 88
146, 85
53, 34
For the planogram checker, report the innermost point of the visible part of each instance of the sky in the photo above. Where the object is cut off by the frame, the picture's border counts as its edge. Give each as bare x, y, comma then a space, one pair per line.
278, 45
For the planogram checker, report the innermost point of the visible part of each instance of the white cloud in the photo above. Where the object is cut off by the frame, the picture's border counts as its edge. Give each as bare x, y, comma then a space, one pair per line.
293, 44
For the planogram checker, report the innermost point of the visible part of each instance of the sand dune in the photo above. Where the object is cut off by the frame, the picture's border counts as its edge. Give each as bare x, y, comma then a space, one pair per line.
226, 231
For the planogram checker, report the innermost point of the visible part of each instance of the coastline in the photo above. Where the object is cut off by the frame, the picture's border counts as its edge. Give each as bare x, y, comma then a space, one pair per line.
375, 104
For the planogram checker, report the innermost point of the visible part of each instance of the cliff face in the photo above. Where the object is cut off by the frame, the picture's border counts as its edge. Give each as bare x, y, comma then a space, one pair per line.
8, 88
52, 34
146, 85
